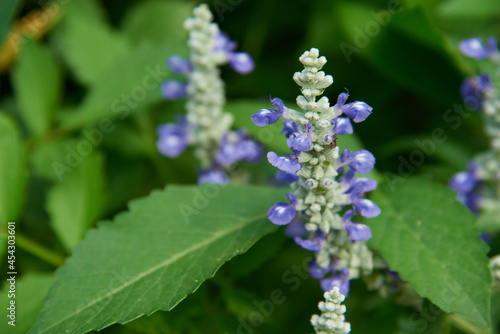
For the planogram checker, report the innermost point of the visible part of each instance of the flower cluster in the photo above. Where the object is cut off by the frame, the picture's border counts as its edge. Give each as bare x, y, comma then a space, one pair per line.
332, 320
328, 193
206, 126
479, 187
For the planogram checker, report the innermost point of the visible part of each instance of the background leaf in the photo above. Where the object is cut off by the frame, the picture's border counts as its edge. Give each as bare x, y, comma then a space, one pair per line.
87, 43
151, 257
76, 202
480, 9
7, 9
36, 80
13, 171
30, 290
431, 240
155, 21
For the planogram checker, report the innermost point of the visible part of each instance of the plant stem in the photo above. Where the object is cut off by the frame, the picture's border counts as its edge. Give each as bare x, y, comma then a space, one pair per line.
39, 251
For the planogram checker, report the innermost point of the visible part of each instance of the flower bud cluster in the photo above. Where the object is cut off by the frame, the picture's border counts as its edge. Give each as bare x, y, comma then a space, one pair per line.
479, 187
331, 320
328, 193
206, 125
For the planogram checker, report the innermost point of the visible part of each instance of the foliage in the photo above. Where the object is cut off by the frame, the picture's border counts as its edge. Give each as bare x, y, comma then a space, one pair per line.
79, 109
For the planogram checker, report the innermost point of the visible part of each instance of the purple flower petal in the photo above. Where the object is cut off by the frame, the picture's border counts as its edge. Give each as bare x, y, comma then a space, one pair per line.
343, 125
341, 100
289, 128
358, 232
366, 184
312, 245
316, 271
474, 88
300, 143
463, 182
328, 284
357, 110
213, 175
281, 213
474, 48
172, 139
179, 65
286, 163
361, 161
286, 177
264, 117
278, 103
366, 208
241, 62
238, 148
173, 89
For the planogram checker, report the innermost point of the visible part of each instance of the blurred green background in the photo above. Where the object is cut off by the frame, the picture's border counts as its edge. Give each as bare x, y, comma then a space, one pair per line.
68, 65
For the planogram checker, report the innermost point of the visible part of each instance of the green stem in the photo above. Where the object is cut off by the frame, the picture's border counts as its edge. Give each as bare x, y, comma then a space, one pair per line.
39, 251
465, 325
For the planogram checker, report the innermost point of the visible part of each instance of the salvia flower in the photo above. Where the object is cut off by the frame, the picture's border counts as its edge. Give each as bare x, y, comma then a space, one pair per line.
479, 187
332, 319
475, 88
328, 194
206, 126
474, 48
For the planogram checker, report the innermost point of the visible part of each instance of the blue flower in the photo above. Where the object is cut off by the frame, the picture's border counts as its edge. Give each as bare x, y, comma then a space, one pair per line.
366, 208
264, 117
357, 110
173, 89
316, 271
289, 128
286, 177
341, 281
313, 245
213, 175
474, 88
361, 161
286, 163
466, 184
173, 138
241, 62
237, 147
283, 213
179, 65
474, 48
343, 125
356, 231
301, 142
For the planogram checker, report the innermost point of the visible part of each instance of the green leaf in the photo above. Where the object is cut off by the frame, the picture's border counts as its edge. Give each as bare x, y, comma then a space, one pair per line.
151, 257
155, 21
127, 88
7, 10
36, 79
464, 9
13, 170
431, 240
395, 49
77, 201
29, 292
87, 43
489, 221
